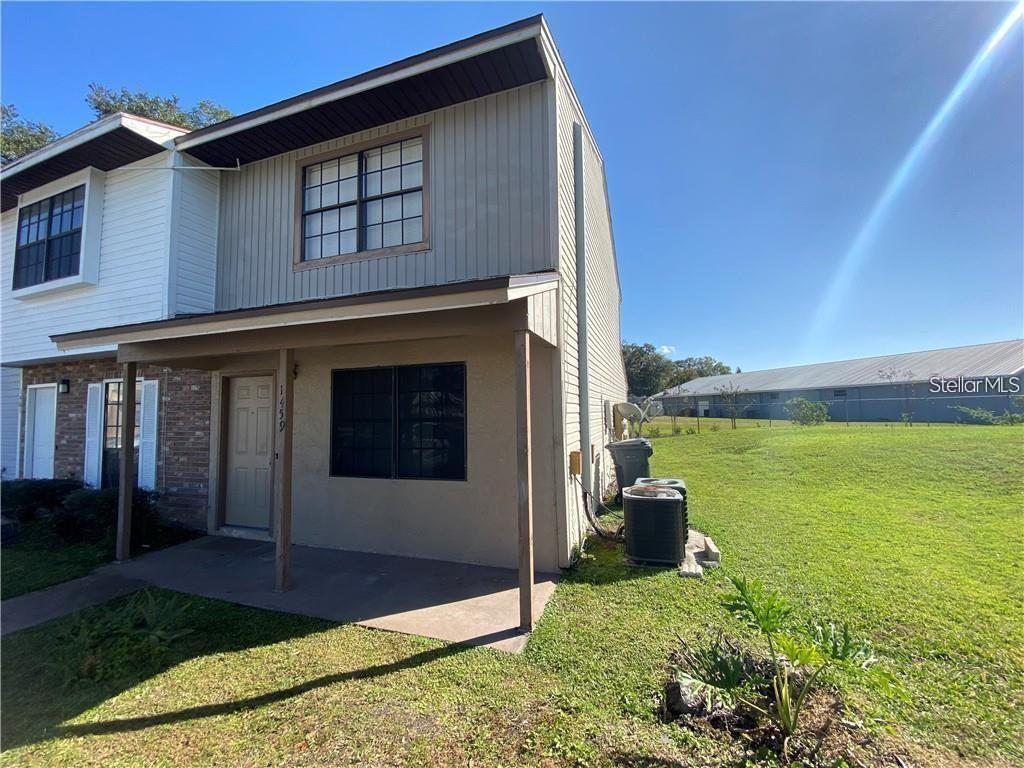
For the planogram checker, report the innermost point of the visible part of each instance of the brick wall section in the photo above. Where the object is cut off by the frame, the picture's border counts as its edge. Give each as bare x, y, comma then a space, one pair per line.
183, 436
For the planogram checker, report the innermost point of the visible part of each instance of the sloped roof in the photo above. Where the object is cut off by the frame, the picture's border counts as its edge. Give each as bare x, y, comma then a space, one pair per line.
1001, 358
492, 61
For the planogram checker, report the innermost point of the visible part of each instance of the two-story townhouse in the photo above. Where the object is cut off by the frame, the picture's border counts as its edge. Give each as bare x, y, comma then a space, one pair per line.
414, 341
105, 226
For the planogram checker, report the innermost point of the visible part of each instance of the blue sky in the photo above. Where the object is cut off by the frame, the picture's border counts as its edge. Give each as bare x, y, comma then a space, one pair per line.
745, 145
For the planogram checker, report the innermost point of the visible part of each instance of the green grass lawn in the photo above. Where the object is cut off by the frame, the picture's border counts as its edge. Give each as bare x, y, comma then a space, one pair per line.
35, 561
911, 534
38, 560
25, 569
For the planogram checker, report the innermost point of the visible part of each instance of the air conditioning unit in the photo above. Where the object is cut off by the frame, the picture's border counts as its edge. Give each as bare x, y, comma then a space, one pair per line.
655, 524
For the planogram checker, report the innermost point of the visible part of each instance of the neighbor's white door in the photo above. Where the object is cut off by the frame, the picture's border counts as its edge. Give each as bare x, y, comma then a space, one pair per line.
250, 456
40, 430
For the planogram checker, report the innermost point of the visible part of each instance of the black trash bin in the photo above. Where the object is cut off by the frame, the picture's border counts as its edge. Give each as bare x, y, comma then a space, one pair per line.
632, 460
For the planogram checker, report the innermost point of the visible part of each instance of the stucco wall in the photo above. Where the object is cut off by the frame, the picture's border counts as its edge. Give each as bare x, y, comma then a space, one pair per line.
472, 521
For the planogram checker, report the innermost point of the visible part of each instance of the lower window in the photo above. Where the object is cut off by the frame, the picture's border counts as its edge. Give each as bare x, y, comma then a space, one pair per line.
399, 422
113, 434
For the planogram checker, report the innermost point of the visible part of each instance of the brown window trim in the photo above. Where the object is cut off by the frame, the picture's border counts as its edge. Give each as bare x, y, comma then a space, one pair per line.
298, 264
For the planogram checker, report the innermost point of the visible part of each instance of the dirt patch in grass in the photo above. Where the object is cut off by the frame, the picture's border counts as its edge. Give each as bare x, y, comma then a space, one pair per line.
830, 735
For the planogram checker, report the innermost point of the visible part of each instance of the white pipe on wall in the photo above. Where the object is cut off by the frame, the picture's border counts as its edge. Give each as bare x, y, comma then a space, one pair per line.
581, 307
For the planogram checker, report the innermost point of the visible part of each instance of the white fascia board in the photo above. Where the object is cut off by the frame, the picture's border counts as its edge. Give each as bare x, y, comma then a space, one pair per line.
155, 132
159, 133
522, 286
485, 46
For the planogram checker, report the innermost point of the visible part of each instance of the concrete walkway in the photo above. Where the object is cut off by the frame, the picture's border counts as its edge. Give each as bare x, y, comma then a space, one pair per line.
461, 603
62, 599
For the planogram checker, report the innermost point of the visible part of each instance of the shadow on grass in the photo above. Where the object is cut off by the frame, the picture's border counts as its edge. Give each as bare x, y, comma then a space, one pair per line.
254, 702
35, 701
605, 563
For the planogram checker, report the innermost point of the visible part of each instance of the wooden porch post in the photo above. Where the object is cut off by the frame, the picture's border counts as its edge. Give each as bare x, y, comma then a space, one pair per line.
524, 472
283, 467
122, 550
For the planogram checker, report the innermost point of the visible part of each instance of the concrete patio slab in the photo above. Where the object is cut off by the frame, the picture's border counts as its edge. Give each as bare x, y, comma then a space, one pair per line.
456, 602
59, 600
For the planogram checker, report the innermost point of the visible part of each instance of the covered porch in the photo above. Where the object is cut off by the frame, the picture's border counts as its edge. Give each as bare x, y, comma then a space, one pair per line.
501, 331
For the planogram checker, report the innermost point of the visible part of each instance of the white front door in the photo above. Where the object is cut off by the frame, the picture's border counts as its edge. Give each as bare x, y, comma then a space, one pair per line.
250, 451
40, 430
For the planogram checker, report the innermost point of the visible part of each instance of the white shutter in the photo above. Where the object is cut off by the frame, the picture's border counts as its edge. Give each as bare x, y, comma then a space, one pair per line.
93, 434
147, 434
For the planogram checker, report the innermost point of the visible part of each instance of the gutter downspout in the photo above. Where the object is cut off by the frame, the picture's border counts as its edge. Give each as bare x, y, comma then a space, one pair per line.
581, 307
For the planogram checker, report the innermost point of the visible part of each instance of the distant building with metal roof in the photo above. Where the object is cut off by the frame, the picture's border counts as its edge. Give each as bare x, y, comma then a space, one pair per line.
916, 385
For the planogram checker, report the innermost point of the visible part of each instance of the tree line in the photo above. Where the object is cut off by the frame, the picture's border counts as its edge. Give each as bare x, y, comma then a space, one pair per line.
19, 136
648, 371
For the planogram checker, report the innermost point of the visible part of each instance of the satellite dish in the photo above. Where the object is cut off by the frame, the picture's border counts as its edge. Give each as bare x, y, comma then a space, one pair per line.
653, 408
629, 411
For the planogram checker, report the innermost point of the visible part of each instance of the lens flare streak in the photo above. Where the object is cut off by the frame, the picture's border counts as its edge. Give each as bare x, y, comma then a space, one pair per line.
854, 258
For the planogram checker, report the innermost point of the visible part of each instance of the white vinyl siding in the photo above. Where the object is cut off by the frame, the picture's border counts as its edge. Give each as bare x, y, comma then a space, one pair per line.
193, 258
487, 200
132, 269
10, 419
607, 373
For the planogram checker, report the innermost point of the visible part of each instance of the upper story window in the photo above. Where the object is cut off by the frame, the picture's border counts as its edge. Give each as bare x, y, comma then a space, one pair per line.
367, 200
49, 239
838, 393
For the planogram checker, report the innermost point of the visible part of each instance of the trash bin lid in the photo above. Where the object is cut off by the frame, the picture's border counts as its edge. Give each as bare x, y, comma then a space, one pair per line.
633, 442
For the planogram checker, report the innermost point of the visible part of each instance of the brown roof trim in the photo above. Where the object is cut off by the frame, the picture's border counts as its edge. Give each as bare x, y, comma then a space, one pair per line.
365, 76
390, 294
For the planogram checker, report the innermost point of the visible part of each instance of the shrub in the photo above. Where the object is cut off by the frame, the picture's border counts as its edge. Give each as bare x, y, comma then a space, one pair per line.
90, 515
989, 417
23, 499
654, 431
119, 640
691, 431
718, 674
807, 413
715, 427
766, 611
